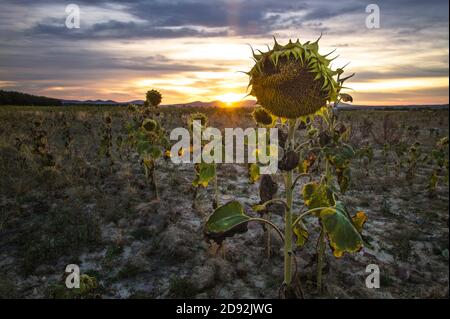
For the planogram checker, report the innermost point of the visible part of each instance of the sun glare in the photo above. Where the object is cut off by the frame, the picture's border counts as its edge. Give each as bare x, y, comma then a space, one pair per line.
229, 98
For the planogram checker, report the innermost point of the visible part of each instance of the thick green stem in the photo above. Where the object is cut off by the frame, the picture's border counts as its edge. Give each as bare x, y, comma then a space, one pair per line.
216, 192
288, 215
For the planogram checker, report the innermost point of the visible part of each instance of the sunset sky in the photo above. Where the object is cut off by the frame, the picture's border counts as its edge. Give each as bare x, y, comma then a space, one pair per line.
194, 49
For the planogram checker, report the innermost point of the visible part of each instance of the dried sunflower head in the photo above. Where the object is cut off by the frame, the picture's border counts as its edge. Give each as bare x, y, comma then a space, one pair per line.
261, 116
294, 80
153, 98
198, 116
108, 119
132, 107
149, 125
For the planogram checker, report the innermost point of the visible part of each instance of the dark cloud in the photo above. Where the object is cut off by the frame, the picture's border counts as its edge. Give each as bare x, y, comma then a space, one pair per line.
119, 30
200, 18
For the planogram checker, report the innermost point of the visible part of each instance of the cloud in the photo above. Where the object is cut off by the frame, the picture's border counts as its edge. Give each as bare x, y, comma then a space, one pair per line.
119, 30
169, 39
428, 96
402, 72
85, 62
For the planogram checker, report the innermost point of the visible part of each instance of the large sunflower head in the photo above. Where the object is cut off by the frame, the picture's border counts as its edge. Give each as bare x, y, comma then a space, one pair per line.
294, 80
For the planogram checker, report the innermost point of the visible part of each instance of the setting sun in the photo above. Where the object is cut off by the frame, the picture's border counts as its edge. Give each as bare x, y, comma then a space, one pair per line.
230, 98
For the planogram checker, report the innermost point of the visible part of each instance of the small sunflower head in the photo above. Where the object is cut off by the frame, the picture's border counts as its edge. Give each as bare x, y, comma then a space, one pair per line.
261, 116
202, 117
294, 80
108, 119
267, 188
289, 161
132, 107
153, 98
149, 125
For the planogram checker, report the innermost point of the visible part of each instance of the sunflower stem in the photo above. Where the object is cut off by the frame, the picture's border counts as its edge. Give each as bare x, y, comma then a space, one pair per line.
216, 192
288, 215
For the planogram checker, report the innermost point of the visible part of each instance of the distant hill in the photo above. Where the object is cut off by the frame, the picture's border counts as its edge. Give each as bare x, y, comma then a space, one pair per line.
244, 103
94, 102
18, 98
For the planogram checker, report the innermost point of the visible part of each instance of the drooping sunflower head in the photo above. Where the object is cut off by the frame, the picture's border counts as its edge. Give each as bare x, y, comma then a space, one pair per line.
153, 98
108, 119
198, 116
149, 125
132, 107
294, 80
261, 116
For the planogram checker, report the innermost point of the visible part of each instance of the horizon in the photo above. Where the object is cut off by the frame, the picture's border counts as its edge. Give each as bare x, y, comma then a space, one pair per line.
195, 50
241, 103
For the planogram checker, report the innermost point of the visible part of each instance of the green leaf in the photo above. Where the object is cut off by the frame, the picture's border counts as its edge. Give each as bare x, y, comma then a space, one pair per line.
226, 221
259, 207
343, 177
305, 163
301, 233
303, 166
340, 156
443, 142
253, 173
359, 220
317, 195
155, 151
205, 173
342, 234
143, 147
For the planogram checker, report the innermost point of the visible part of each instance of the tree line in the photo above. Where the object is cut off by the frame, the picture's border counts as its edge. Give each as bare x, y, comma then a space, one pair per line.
18, 98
